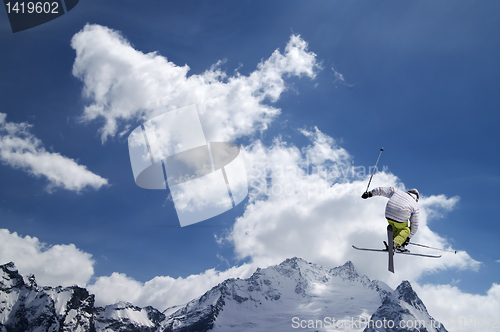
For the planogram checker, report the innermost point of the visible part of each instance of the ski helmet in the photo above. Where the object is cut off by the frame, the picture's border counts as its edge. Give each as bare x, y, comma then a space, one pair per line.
414, 192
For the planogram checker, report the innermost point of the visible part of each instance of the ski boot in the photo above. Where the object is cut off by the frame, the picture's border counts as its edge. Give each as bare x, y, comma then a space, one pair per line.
400, 248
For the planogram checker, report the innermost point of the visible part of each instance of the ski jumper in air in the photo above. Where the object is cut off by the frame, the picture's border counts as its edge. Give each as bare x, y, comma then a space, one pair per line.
401, 209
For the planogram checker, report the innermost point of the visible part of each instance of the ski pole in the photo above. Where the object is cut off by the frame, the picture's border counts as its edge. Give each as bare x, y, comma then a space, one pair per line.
423, 245
381, 150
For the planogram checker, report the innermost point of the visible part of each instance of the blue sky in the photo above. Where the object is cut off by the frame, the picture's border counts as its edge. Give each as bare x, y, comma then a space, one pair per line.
419, 78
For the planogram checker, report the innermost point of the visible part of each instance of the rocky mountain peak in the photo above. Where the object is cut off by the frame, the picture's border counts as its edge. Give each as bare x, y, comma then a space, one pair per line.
273, 298
10, 277
406, 293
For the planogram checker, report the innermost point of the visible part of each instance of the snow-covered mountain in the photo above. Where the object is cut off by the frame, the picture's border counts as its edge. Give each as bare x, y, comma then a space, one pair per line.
27, 307
294, 295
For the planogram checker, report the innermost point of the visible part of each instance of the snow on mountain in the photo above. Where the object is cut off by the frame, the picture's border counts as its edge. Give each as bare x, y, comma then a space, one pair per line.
301, 295
294, 295
124, 316
27, 307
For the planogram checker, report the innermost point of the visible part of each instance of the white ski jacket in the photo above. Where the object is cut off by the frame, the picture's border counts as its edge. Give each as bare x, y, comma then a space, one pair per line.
401, 207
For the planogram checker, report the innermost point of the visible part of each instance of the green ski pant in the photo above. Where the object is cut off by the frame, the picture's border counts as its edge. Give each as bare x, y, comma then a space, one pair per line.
400, 231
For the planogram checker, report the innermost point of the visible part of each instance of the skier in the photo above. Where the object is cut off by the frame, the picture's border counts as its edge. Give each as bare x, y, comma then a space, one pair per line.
401, 208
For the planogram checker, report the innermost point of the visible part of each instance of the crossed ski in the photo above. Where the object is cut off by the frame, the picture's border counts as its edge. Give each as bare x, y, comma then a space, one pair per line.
391, 252
396, 252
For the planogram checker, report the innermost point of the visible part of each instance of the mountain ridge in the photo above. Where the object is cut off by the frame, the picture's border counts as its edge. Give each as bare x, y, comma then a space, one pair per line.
293, 294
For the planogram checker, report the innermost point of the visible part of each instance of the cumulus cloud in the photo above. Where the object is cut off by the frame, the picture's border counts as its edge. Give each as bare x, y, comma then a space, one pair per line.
61, 264
66, 265
460, 311
21, 149
436, 206
124, 84
162, 292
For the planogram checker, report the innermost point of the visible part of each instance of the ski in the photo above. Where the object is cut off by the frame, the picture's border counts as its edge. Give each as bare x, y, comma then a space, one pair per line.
390, 248
417, 254
404, 253
369, 249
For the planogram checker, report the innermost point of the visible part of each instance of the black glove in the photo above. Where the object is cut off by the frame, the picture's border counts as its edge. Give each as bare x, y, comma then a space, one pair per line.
407, 242
366, 194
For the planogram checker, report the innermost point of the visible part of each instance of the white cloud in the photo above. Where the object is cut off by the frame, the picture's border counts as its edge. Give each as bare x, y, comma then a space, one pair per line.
52, 265
21, 149
435, 206
162, 292
66, 265
324, 150
460, 311
124, 84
